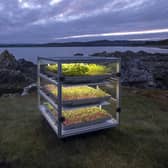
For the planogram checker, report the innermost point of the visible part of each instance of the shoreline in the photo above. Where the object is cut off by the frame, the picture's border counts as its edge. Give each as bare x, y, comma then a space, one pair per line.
90, 46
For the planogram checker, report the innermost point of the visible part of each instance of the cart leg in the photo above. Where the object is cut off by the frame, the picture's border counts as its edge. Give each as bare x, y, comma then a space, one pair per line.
118, 109
59, 100
38, 82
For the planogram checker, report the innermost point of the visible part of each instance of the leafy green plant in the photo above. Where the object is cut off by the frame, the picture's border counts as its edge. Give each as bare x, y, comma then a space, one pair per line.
74, 69
79, 69
94, 69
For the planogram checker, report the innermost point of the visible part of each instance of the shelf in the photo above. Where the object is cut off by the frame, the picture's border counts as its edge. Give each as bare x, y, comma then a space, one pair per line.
85, 102
86, 79
76, 99
66, 107
48, 79
83, 59
54, 81
74, 131
103, 103
86, 129
87, 120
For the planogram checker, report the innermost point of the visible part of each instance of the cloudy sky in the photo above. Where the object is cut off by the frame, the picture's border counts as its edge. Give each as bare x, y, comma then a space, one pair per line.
61, 20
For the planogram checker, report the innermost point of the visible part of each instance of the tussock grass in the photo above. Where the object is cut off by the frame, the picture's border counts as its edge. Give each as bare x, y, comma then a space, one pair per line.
27, 141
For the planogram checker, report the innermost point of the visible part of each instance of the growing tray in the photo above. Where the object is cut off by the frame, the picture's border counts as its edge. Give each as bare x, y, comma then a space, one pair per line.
80, 79
78, 102
84, 124
81, 124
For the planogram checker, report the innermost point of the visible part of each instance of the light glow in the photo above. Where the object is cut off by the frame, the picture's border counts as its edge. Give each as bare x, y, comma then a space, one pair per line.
152, 31
1, 7
25, 4
54, 2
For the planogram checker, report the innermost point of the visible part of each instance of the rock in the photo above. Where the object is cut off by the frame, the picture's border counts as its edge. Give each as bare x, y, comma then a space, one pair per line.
134, 72
7, 60
79, 54
29, 89
28, 68
15, 75
23, 63
141, 69
11, 81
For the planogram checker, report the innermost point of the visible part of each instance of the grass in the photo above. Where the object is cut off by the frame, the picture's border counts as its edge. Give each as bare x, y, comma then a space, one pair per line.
26, 141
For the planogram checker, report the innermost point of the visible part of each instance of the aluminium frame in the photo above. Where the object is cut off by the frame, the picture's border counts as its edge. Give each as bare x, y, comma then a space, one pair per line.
57, 126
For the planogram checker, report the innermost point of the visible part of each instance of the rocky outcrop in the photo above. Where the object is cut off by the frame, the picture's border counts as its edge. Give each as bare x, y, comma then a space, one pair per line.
15, 74
7, 61
79, 54
28, 68
142, 69
139, 69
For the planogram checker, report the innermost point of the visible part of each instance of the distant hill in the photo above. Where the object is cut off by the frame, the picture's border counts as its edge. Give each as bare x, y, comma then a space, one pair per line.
93, 44
98, 43
161, 42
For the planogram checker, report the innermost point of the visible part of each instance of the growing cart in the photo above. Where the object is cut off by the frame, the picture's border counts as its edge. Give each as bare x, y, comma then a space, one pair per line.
77, 95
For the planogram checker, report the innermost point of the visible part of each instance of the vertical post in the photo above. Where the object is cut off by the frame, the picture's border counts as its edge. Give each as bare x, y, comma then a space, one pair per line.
38, 81
100, 106
59, 87
118, 95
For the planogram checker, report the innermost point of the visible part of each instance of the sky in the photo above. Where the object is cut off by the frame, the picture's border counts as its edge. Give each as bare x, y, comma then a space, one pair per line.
39, 21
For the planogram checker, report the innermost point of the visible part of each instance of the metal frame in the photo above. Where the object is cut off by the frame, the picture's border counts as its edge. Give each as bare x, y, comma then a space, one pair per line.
59, 87
57, 124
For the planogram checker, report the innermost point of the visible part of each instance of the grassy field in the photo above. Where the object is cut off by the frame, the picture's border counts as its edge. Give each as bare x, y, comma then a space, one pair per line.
26, 141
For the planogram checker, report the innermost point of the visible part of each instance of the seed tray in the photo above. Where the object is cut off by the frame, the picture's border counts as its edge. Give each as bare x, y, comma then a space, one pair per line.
80, 124
87, 123
78, 102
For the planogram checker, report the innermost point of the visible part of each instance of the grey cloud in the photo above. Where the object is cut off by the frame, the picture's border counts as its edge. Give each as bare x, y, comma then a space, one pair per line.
40, 21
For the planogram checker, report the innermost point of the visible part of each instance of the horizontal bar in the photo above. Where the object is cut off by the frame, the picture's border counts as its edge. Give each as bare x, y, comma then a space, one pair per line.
114, 79
84, 59
88, 84
84, 106
48, 99
49, 79
114, 99
76, 84
71, 107
95, 127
